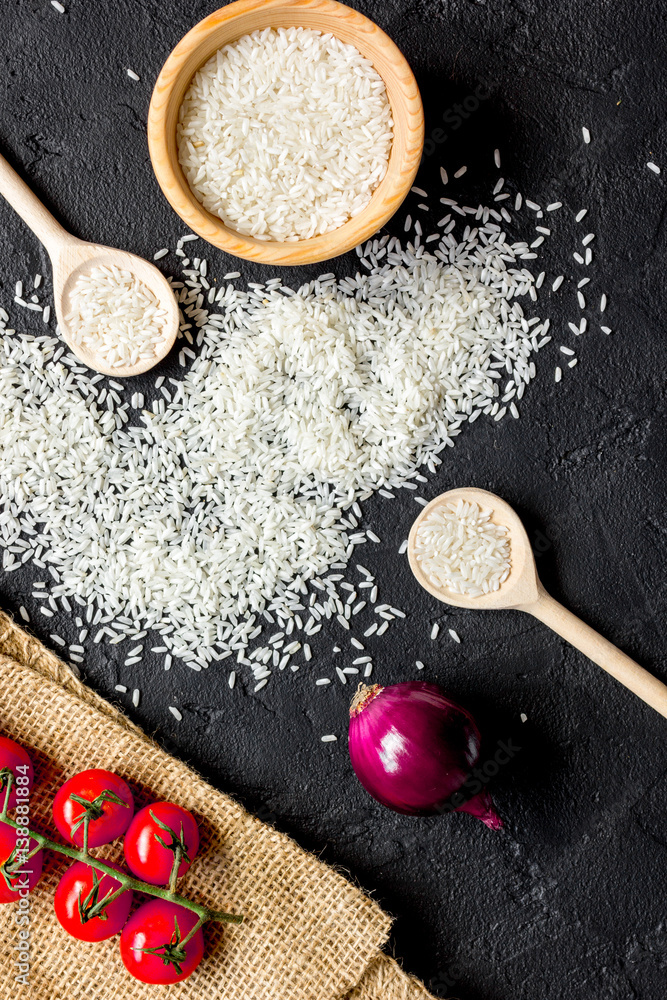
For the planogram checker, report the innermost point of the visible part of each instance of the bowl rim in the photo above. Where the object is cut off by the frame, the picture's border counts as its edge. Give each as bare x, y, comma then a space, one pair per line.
385, 200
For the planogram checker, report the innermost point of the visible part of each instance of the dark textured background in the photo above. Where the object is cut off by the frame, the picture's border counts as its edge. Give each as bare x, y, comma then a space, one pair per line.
568, 903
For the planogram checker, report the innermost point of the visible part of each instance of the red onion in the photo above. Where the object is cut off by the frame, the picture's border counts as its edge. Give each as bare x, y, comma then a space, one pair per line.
414, 750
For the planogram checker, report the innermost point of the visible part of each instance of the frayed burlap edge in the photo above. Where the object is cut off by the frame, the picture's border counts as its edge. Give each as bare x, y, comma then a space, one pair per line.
383, 978
25, 649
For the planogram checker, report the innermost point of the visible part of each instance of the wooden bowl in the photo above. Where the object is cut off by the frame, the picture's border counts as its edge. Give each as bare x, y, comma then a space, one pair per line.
240, 18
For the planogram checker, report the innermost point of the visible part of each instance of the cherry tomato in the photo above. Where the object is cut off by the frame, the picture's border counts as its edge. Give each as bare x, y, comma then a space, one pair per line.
15, 758
150, 943
110, 807
80, 888
20, 874
151, 841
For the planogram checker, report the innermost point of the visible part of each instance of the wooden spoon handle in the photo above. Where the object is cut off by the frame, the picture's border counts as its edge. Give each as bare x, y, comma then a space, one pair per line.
30, 208
600, 650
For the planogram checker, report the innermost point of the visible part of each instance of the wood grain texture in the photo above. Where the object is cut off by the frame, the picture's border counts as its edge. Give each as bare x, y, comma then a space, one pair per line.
240, 18
600, 651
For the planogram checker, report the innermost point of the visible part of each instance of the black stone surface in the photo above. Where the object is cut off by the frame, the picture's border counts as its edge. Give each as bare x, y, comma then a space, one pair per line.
568, 903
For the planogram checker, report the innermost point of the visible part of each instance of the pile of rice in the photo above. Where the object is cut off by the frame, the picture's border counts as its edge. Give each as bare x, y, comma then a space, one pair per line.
115, 316
285, 133
231, 502
461, 549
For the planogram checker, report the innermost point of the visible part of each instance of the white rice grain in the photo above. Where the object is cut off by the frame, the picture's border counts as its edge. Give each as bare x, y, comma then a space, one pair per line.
461, 549
285, 133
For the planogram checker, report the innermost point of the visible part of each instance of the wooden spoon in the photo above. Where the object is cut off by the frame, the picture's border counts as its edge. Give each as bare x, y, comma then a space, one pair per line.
523, 591
71, 256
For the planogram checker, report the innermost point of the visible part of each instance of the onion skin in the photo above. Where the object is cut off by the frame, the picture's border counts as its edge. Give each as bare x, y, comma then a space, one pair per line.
413, 748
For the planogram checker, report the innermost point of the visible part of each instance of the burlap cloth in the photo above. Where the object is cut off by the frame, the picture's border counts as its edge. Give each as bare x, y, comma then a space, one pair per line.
308, 935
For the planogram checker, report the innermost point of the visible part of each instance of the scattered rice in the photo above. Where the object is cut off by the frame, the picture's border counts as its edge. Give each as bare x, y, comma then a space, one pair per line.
461, 549
454, 635
654, 167
114, 315
329, 739
254, 452
176, 714
285, 134
586, 134
58, 6
132, 75
460, 172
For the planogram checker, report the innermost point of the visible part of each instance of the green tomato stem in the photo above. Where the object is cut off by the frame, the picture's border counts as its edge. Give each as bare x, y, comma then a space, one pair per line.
8, 792
102, 904
173, 877
128, 881
33, 852
192, 932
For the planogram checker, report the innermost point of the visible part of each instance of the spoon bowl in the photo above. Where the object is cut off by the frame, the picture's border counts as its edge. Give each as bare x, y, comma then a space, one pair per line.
523, 591
71, 257
520, 587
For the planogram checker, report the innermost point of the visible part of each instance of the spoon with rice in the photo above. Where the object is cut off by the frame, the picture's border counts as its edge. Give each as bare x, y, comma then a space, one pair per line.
470, 549
115, 311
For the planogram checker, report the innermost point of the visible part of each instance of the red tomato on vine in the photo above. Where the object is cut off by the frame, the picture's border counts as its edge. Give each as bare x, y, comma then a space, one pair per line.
151, 945
78, 903
15, 759
18, 872
157, 834
102, 797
